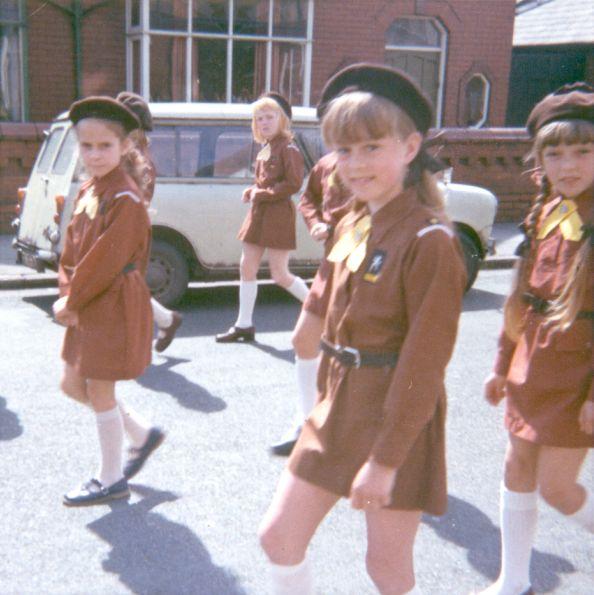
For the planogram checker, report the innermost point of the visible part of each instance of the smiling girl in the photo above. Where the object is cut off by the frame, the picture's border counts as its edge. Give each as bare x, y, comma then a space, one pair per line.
376, 435
544, 364
104, 301
270, 221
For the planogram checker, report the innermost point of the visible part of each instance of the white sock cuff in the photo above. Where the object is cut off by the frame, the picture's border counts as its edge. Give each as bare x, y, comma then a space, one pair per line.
103, 416
518, 500
298, 289
282, 570
307, 362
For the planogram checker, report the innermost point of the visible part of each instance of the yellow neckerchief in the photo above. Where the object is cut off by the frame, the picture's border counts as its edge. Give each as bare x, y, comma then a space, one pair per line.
264, 154
566, 216
352, 245
89, 203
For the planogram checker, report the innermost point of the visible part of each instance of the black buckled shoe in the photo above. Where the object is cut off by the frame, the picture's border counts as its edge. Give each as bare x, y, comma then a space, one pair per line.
138, 456
166, 335
237, 333
94, 492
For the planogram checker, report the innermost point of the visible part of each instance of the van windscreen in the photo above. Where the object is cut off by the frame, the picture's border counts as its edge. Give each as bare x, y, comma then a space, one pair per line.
48, 150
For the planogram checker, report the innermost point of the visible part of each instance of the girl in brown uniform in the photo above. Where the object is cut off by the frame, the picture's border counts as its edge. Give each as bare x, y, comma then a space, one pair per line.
270, 222
104, 301
544, 363
376, 434
323, 204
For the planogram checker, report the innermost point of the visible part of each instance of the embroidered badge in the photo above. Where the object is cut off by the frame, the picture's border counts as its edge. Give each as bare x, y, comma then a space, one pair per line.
374, 268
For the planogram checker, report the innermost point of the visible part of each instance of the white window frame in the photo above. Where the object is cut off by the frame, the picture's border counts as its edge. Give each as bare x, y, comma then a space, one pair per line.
486, 97
22, 49
442, 49
144, 33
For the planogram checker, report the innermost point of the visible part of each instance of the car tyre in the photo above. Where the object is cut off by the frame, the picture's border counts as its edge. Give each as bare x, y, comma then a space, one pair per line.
168, 273
472, 257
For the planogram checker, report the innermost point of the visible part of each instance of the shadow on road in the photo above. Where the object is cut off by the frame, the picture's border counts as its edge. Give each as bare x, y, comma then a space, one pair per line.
10, 425
152, 554
43, 302
287, 355
468, 527
162, 378
479, 299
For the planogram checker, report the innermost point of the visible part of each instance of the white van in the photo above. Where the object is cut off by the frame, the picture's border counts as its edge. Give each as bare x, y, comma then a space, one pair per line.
204, 155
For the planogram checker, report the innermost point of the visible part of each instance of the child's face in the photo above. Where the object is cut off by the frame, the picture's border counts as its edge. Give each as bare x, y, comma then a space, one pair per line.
375, 169
101, 149
267, 122
569, 168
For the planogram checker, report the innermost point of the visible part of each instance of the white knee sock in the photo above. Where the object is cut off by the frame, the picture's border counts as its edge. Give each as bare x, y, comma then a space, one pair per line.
307, 383
298, 289
135, 426
518, 516
585, 515
111, 440
248, 292
162, 316
291, 580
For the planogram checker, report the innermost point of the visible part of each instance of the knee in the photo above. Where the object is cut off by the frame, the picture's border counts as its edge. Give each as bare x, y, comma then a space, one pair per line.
74, 391
520, 469
281, 277
560, 497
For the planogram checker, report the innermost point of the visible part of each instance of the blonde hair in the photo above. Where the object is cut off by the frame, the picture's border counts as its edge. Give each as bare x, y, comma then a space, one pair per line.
565, 308
284, 122
359, 116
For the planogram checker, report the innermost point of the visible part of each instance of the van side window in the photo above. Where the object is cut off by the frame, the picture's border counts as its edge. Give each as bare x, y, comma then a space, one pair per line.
64, 158
234, 154
49, 149
162, 149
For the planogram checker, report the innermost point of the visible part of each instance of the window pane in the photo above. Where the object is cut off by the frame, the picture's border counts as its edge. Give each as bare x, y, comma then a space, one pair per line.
211, 16
48, 150
136, 58
249, 70
135, 13
169, 15
209, 69
11, 100
65, 155
290, 18
9, 10
188, 151
288, 60
163, 150
250, 17
476, 91
415, 32
168, 68
234, 153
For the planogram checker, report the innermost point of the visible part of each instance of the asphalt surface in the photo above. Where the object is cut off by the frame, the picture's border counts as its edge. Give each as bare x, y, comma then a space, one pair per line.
190, 526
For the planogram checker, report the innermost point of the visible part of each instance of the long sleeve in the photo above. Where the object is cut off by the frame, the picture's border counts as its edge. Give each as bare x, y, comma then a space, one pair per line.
505, 352
125, 233
434, 284
66, 265
290, 181
310, 204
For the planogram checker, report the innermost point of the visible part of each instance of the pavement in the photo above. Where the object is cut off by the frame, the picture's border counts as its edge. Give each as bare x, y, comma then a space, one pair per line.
16, 276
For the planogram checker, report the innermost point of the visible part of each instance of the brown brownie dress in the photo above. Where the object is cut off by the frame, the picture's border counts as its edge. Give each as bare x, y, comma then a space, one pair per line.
102, 272
270, 222
405, 297
549, 372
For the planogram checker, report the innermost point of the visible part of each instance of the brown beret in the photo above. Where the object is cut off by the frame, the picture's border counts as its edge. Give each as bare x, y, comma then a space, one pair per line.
104, 108
384, 81
139, 106
569, 102
282, 102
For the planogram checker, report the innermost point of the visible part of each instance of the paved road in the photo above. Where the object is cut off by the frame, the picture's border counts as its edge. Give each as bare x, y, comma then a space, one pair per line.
190, 526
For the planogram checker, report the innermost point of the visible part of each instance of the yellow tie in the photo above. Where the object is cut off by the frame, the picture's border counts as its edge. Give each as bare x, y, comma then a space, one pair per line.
89, 203
566, 217
352, 245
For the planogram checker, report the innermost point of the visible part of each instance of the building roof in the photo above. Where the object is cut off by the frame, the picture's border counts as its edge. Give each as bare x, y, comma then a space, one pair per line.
553, 22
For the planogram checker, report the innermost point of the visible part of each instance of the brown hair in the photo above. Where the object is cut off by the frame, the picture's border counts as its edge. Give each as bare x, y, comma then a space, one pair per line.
358, 116
567, 305
284, 122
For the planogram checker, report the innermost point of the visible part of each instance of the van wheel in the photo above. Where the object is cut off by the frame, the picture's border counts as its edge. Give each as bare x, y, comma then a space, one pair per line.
167, 274
472, 258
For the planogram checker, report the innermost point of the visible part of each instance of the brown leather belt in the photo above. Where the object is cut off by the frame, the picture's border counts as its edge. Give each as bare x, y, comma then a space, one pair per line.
354, 358
542, 306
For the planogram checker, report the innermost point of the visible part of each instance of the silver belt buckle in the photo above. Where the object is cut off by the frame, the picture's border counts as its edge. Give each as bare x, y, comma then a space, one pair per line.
354, 354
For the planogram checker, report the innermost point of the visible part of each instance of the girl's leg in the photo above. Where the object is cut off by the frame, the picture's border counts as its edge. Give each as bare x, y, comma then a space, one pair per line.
110, 428
167, 322
74, 385
518, 517
290, 522
390, 540
279, 269
558, 470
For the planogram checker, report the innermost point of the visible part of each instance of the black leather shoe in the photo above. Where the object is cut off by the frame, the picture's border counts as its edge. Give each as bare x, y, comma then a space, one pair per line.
284, 447
166, 334
138, 456
94, 492
237, 333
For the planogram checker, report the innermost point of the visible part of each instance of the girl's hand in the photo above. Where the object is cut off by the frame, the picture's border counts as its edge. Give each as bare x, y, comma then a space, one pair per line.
319, 231
494, 388
586, 417
372, 486
247, 195
62, 314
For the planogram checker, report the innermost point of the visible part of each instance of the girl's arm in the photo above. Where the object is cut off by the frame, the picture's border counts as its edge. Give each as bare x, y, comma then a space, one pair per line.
293, 172
433, 281
127, 229
310, 203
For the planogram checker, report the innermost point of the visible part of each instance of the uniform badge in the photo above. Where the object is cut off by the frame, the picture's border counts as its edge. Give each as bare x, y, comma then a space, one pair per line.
374, 268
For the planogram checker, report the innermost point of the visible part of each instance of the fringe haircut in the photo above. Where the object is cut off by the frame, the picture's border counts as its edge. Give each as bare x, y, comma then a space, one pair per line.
265, 103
